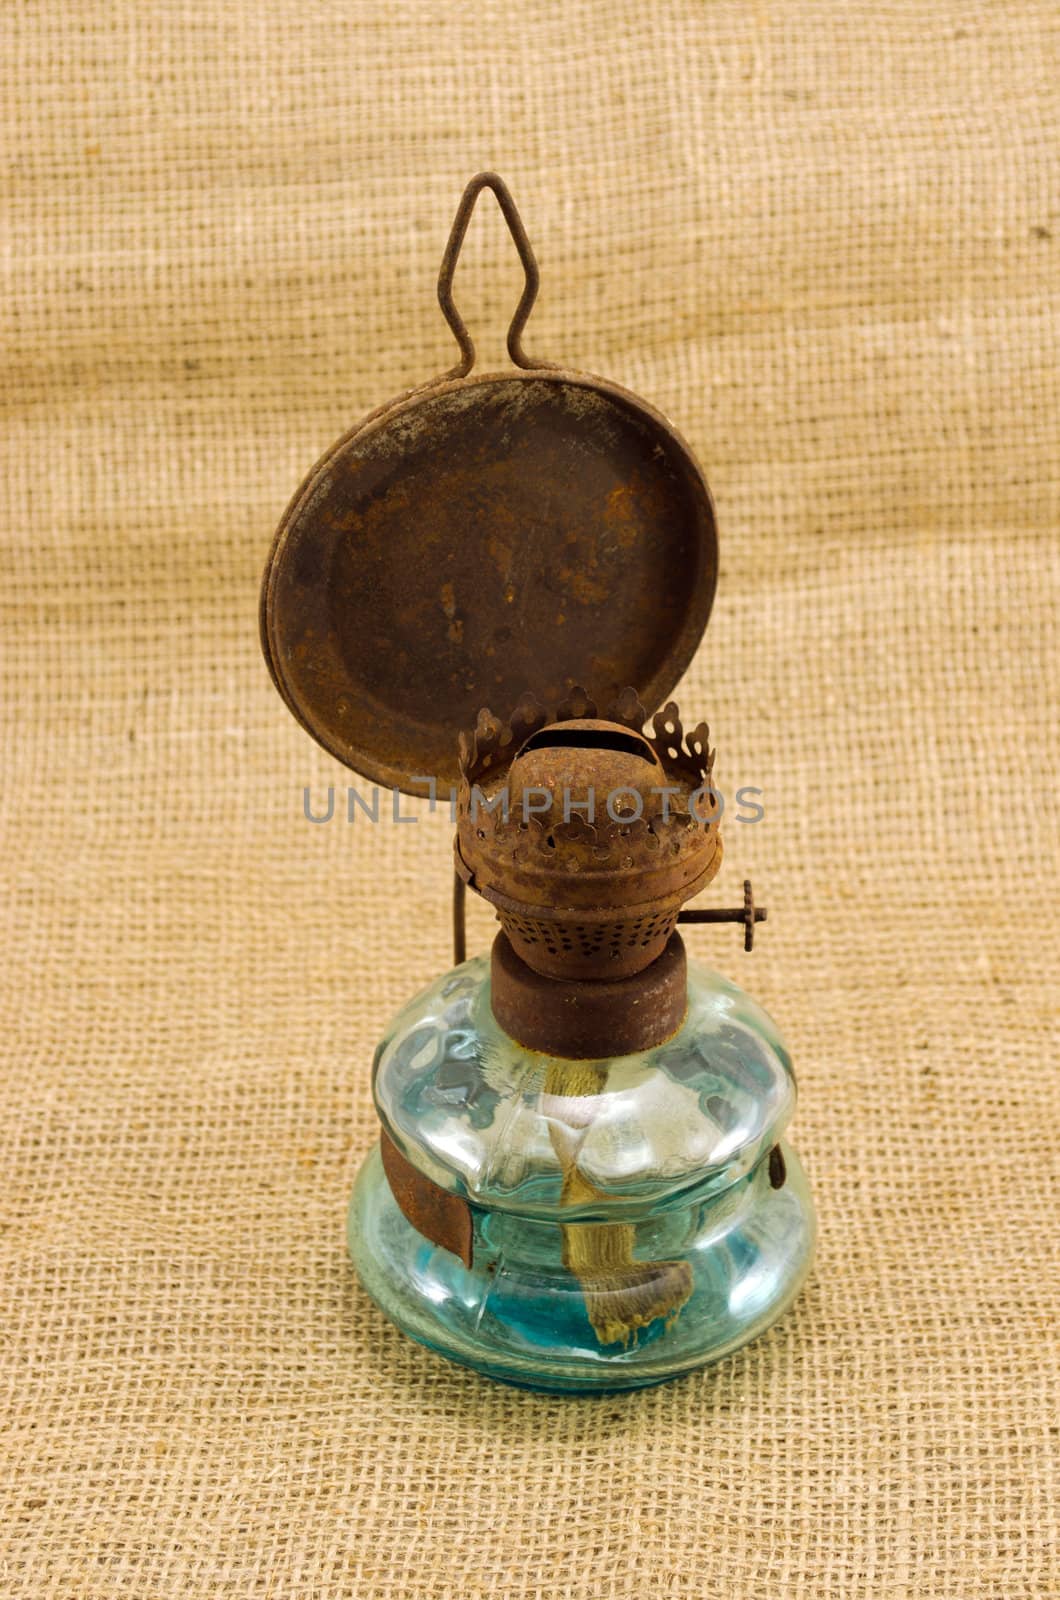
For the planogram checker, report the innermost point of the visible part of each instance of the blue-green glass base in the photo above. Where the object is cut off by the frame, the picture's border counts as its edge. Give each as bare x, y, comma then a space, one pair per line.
718, 1268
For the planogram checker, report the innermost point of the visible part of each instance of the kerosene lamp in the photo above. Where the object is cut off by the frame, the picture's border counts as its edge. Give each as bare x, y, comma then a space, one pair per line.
488, 589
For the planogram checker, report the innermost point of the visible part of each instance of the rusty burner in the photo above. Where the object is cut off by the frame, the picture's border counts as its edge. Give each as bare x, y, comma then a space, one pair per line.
587, 837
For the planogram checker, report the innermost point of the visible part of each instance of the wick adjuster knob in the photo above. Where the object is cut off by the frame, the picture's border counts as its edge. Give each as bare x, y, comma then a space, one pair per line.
748, 914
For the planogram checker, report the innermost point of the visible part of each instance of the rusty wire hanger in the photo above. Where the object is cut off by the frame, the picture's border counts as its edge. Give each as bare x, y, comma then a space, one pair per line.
488, 180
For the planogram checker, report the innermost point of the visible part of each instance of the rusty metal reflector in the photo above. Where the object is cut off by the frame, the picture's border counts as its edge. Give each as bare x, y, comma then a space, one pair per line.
480, 536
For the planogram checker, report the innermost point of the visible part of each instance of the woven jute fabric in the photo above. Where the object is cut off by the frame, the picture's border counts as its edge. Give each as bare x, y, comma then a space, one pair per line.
825, 240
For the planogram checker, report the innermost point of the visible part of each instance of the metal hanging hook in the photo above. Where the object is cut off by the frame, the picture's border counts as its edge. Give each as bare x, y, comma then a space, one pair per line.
488, 180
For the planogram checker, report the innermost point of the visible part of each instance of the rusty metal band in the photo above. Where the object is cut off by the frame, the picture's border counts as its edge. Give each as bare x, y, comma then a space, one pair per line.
441, 1217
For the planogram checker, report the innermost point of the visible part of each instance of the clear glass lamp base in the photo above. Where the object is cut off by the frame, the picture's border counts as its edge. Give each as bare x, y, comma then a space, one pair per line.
624, 1234
520, 1316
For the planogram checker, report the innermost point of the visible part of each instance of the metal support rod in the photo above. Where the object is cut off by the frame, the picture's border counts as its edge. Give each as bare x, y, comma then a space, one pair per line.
459, 920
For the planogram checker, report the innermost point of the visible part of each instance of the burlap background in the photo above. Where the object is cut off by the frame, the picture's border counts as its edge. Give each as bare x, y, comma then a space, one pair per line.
824, 239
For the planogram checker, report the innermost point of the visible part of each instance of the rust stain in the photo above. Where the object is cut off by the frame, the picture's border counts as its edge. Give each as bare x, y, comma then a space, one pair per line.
587, 591
500, 553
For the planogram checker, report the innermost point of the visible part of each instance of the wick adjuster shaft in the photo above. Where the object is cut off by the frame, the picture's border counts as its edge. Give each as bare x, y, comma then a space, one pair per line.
748, 914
